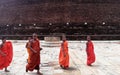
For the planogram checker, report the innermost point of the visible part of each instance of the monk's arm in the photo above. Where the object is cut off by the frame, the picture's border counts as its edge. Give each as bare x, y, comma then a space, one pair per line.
32, 50
29, 46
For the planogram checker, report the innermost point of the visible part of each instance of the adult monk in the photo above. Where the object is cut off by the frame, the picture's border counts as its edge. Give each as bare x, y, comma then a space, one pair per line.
64, 55
6, 54
34, 54
90, 51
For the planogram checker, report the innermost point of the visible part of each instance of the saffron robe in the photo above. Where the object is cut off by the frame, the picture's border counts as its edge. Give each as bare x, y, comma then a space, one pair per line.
5, 61
90, 53
64, 55
28, 51
34, 58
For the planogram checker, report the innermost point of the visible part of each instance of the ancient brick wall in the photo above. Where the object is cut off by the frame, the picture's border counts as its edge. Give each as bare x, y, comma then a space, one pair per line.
53, 11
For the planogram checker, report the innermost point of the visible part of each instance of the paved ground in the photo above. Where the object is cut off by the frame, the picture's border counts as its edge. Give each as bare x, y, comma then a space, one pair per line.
107, 60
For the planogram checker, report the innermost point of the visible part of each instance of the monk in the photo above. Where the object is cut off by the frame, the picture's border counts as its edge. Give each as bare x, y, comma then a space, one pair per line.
28, 49
90, 51
34, 54
6, 54
64, 55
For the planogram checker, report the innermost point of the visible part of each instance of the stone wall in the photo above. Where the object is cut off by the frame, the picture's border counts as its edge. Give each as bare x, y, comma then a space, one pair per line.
30, 12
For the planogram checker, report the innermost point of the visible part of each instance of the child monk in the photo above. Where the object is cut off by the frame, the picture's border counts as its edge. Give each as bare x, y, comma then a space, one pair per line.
90, 51
64, 55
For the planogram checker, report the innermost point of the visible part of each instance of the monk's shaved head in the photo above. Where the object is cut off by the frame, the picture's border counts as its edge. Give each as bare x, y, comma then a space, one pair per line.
3, 39
63, 37
88, 38
34, 36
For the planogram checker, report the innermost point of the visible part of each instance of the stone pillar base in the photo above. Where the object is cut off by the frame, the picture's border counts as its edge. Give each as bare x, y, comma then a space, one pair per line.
51, 41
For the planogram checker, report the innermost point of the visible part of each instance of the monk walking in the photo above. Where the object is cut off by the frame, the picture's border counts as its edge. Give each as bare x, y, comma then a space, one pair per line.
90, 51
33, 47
64, 55
6, 54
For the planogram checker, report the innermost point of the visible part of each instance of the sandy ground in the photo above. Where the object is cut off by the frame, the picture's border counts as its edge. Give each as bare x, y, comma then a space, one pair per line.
107, 59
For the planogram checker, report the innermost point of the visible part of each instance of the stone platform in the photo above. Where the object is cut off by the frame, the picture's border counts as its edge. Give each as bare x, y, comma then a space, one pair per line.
107, 59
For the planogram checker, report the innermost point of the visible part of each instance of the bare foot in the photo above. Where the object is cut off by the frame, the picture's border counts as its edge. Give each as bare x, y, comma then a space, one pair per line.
26, 70
39, 73
65, 67
89, 64
7, 71
61, 66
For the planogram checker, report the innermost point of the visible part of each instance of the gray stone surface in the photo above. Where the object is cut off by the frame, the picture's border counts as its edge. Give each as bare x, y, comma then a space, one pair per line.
107, 60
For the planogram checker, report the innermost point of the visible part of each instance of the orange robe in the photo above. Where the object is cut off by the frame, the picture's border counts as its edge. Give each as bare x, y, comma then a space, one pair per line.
34, 58
28, 51
64, 60
5, 61
90, 53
